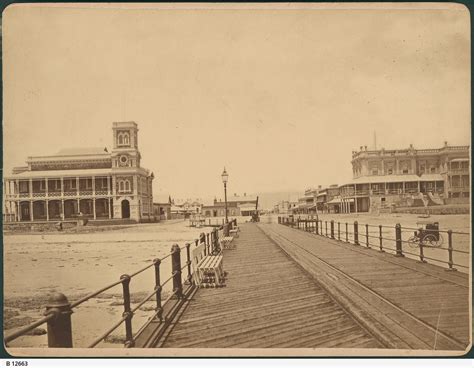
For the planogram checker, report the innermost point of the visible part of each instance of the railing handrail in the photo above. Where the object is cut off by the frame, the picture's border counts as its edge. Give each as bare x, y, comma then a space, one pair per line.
316, 226
125, 279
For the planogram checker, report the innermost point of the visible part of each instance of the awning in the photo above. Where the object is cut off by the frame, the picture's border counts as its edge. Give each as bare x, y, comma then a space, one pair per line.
459, 160
431, 177
247, 208
340, 200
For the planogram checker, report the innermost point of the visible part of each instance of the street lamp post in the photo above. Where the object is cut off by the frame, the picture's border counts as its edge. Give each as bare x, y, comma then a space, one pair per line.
225, 177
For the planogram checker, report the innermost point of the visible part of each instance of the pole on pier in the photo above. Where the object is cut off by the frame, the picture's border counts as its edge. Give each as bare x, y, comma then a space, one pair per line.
127, 311
450, 252
398, 240
380, 238
176, 271
59, 327
159, 310
356, 233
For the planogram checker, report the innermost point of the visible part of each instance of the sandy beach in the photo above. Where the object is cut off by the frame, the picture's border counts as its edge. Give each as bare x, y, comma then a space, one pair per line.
77, 264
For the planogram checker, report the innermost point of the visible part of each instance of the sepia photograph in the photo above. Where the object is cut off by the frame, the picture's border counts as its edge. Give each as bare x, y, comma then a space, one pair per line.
241, 179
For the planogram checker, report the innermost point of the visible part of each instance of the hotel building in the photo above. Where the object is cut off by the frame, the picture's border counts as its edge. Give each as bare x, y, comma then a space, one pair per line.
406, 177
89, 182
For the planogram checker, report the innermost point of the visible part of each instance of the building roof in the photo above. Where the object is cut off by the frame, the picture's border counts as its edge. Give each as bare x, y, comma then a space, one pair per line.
247, 198
60, 173
78, 151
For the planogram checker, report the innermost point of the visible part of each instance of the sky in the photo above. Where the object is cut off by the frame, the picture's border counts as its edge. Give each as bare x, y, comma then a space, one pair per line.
280, 97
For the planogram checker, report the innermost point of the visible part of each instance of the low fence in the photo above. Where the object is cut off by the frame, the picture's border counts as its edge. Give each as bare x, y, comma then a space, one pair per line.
59, 309
396, 239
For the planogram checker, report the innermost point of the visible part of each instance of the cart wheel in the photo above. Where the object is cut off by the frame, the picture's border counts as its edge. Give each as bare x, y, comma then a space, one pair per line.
430, 240
413, 241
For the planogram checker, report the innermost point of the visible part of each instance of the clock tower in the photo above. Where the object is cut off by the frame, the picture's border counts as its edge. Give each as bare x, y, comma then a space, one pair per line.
131, 199
125, 152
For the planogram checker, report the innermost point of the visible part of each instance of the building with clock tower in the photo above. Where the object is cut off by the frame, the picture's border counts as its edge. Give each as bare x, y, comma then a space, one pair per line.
88, 182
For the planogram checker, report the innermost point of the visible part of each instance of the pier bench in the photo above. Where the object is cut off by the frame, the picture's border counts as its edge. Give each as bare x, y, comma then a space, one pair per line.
234, 232
225, 241
208, 270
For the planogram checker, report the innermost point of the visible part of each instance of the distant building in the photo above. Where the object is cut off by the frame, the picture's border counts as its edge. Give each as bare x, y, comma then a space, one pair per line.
91, 182
236, 206
162, 208
406, 177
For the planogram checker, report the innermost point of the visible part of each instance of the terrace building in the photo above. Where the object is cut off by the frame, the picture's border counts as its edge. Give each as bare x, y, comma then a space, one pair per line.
406, 177
89, 182
236, 206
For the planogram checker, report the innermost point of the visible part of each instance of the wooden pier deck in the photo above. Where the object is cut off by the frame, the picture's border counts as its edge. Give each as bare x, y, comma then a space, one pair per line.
291, 289
269, 301
405, 303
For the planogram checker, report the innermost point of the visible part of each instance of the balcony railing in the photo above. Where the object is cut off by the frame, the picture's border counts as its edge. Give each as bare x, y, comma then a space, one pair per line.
54, 194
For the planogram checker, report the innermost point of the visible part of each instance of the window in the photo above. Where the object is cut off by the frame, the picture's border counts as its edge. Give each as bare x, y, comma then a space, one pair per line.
23, 186
390, 171
126, 139
432, 170
422, 169
375, 172
73, 183
120, 139
121, 186
405, 170
88, 184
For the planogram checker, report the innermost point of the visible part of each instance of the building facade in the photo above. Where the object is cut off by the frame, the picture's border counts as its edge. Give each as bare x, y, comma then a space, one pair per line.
83, 182
236, 206
406, 177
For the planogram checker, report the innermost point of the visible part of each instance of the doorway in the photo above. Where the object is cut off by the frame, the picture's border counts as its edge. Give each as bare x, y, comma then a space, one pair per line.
125, 209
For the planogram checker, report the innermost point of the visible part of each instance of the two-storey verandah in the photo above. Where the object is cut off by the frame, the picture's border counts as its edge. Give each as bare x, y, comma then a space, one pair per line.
355, 196
59, 195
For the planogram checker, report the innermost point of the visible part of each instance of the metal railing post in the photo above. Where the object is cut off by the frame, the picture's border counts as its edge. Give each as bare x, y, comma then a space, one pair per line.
317, 227
158, 288
59, 327
347, 232
338, 231
326, 227
398, 240
380, 238
207, 242
332, 229
127, 311
367, 235
356, 233
176, 270
450, 252
188, 260
420, 245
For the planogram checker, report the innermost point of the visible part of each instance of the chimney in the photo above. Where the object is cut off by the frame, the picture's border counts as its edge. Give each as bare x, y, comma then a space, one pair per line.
235, 194
365, 148
361, 148
245, 194
446, 143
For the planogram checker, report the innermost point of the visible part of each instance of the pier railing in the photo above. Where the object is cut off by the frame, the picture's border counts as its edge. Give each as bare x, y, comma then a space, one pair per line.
398, 240
59, 310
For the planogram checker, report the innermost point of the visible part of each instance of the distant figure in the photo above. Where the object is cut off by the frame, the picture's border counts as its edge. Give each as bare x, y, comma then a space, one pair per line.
59, 226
